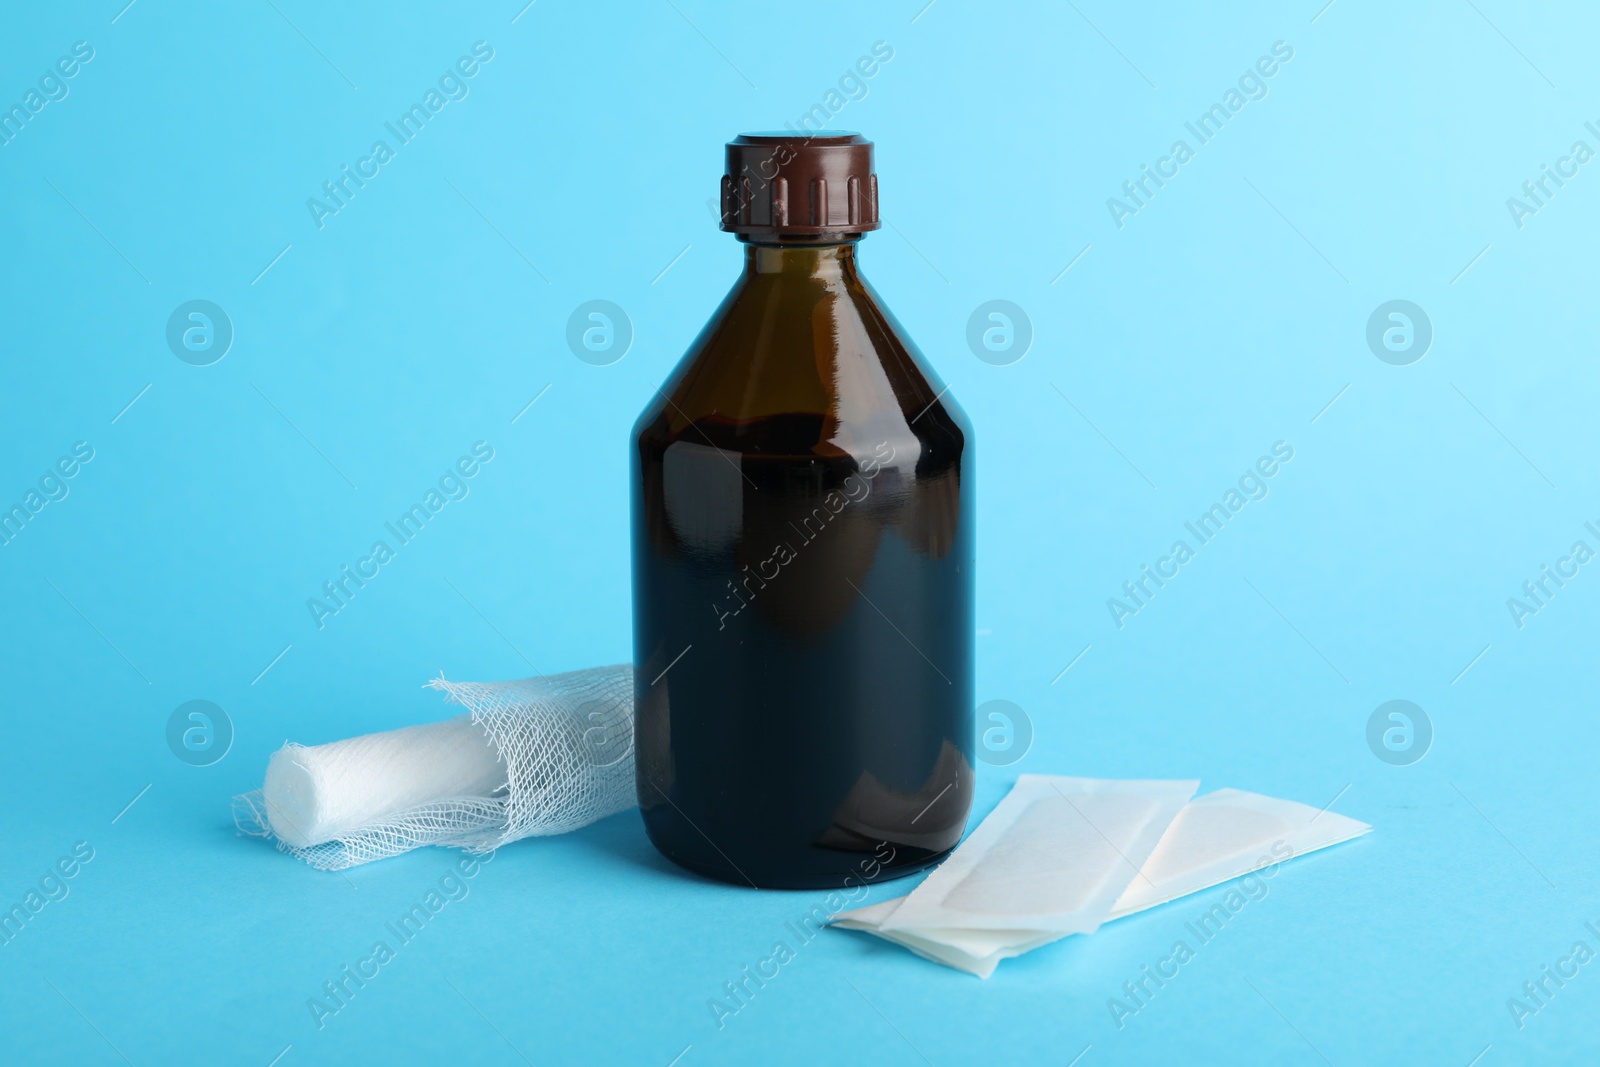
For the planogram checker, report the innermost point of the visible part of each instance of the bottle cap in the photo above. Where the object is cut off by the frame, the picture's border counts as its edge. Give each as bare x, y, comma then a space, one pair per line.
799, 185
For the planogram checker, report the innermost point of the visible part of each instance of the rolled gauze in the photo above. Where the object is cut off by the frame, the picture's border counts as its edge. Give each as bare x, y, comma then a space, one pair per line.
318, 793
535, 757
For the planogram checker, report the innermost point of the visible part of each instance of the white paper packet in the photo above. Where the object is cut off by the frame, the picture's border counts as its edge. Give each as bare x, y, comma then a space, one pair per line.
1226, 834
1220, 836
1052, 858
977, 952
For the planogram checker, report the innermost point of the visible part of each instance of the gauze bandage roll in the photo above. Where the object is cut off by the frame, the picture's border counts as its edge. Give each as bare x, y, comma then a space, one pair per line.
315, 794
540, 756
1217, 837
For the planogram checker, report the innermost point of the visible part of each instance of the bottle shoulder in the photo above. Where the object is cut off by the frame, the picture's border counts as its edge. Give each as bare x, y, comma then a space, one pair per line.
806, 365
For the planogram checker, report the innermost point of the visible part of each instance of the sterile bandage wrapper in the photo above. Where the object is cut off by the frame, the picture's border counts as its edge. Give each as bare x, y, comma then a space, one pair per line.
1052, 858
1217, 837
534, 757
1229, 833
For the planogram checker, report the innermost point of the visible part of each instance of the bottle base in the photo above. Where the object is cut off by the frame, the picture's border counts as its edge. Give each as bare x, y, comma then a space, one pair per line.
826, 870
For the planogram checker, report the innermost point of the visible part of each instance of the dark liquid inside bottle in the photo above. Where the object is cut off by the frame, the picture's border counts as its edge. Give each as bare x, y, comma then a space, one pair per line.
803, 590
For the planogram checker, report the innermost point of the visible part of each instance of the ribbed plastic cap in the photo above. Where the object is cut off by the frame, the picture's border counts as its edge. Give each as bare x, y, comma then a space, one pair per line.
794, 185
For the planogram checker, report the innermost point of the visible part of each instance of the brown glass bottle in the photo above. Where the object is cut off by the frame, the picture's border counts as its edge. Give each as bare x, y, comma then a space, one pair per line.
803, 558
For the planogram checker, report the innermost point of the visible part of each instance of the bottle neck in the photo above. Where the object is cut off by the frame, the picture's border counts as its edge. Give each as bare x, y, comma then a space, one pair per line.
802, 261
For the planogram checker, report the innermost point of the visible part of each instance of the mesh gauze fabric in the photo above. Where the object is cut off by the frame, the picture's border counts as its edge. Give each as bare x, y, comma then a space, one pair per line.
566, 741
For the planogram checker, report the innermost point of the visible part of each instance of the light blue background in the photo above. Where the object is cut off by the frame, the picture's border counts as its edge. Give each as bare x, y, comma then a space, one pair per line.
1223, 317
